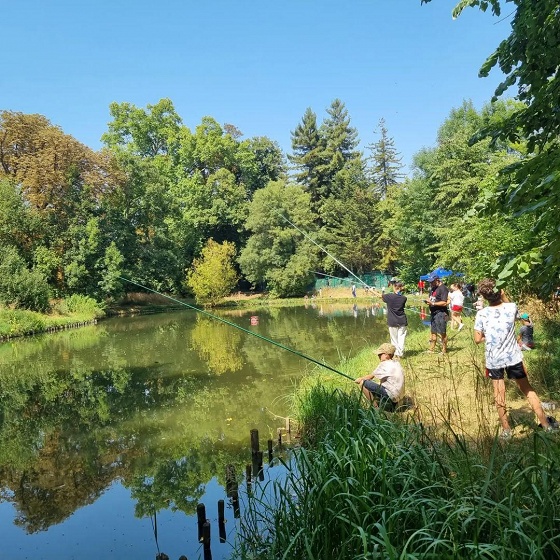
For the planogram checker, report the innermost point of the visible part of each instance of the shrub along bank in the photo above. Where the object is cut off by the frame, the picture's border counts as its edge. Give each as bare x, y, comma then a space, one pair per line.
72, 311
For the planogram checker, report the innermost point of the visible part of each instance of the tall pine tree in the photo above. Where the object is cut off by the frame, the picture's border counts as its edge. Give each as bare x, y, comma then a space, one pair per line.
386, 162
308, 155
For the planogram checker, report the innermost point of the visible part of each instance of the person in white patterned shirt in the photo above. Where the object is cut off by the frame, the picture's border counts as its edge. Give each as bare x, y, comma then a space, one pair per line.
495, 325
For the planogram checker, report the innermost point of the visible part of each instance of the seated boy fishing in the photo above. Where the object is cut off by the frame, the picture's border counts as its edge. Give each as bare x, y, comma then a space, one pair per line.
387, 393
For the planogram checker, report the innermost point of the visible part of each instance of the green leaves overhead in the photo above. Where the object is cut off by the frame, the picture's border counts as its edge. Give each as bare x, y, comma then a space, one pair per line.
529, 59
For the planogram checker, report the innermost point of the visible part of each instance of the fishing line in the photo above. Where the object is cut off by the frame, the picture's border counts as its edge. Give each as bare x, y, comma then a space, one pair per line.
344, 279
211, 315
323, 249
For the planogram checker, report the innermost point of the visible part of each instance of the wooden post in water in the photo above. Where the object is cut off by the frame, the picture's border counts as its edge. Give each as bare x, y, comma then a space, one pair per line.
255, 452
206, 540
231, 481
201, 519
288, 426
280, 438
260, 465
221, 521
254, 441
248, 474
269, 452
232, 489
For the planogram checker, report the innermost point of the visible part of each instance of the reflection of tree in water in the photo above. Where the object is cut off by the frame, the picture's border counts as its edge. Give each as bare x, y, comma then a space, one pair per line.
218, 344
179, 484
62, 479
66, 436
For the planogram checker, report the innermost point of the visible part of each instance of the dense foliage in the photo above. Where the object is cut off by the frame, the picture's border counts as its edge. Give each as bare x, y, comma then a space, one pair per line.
483, 200
530, 186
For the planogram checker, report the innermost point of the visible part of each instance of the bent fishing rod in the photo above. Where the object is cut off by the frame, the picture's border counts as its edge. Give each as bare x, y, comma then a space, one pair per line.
408, 308
323, 249
212, 316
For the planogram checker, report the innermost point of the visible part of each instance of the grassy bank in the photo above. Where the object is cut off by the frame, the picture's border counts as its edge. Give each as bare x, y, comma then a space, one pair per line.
433, 481
73, 311
368, 486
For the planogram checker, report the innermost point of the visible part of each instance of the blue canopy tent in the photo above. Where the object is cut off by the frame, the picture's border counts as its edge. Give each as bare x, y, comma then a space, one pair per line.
440, 273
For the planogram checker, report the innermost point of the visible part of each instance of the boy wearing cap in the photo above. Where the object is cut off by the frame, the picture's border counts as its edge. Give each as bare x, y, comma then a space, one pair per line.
495, 325
396, 317
525, 337
390, 374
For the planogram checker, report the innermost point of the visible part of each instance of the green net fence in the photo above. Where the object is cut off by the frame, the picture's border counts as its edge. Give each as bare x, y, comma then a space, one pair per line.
372, 279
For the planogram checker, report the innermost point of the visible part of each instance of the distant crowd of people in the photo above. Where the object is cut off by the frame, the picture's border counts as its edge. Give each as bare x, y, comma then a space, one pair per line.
494, 324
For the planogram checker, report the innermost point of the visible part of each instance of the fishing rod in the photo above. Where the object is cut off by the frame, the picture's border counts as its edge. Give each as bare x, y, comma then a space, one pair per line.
344, 279
211, 315
323, 249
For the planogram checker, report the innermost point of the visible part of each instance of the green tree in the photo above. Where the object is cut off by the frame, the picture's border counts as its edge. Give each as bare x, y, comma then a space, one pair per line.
450, 181
276, 255
147, 132
386, 165
341, 141
21, 287
350, 231
308, 155
529, 59
213, 274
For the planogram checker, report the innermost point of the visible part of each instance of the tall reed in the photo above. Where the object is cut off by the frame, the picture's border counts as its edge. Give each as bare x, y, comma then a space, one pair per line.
366, 486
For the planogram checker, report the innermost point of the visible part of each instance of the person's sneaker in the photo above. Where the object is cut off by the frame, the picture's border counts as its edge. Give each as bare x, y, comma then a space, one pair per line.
506, 434
460, 327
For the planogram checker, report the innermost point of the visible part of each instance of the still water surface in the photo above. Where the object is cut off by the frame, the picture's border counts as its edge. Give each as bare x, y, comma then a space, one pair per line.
111, 431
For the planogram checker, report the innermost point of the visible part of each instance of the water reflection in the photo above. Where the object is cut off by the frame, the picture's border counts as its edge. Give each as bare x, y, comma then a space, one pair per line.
158, 405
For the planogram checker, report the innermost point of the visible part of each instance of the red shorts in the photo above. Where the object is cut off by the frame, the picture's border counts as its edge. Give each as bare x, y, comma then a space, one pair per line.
456, 308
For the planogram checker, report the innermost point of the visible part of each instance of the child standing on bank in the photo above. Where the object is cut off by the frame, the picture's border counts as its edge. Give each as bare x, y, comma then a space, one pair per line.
525, 337
456, 299
495, 325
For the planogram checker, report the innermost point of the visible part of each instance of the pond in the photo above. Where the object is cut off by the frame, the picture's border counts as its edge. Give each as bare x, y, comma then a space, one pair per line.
111, 435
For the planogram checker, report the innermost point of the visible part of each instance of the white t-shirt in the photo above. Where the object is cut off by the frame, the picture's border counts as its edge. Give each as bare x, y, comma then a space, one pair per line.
391, 375
457, 298
498, 325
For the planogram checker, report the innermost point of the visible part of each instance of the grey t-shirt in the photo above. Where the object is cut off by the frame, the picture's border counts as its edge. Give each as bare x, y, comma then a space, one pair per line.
391, 375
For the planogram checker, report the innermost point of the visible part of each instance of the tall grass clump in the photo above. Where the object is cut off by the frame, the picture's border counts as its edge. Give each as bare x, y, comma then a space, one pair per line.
80, 306
369, 486
15, 322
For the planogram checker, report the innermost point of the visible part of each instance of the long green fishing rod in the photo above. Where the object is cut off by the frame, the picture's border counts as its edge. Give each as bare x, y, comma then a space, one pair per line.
208, 314
344, 279
323, 249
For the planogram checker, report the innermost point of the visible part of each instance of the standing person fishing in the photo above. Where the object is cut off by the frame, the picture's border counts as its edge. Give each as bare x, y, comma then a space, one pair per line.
439, 296
396, 317
495, 325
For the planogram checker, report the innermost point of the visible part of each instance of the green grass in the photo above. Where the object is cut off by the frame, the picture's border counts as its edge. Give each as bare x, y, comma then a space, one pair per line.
368, 486
74, 310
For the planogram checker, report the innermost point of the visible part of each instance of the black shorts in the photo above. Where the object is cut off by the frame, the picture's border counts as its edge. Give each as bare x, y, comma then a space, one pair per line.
516, 371
438, 323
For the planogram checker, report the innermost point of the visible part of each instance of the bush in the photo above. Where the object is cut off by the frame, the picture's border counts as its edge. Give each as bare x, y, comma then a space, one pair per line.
80, 305
19, 286
18, 322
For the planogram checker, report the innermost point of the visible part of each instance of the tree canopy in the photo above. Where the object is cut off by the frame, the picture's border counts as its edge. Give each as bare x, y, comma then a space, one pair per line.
528, 57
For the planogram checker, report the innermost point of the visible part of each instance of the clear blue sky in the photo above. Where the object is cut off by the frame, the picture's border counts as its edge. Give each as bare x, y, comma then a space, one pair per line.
255, 64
